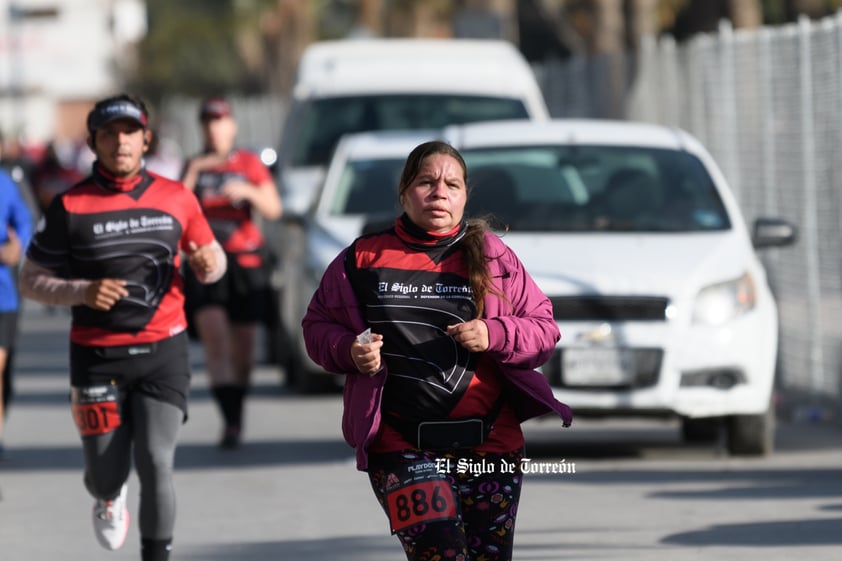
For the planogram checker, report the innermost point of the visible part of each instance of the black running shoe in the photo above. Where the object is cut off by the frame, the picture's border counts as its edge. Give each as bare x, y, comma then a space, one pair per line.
230, 439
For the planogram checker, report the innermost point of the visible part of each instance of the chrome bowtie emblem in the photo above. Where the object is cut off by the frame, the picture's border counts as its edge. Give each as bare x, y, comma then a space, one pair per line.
600, 335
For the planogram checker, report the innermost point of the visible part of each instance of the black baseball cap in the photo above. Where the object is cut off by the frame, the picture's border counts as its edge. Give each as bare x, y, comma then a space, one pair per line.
114, 109
214, 108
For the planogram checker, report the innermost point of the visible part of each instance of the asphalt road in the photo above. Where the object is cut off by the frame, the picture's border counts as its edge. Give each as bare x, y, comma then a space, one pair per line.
292, 491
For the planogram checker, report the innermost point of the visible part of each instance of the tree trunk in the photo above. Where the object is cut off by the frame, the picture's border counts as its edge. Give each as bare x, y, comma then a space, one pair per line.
287, 32
609, 45
746, 13
370, 16
642, 21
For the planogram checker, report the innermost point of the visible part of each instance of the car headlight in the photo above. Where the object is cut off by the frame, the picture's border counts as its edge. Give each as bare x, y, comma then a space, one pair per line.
722, 302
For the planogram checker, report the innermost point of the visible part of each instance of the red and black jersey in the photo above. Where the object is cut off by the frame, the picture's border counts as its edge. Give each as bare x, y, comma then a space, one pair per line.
131, 230
410, 289
232, 224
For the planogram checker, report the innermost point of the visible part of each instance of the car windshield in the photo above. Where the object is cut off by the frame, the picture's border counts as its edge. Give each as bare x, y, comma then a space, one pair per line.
593, 188
368, 187
324, 121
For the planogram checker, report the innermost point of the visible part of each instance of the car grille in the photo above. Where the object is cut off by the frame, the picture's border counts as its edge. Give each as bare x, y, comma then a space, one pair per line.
609, 308
646, 372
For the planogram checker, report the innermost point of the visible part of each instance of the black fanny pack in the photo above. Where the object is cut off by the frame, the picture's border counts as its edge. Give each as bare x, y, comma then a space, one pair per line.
127, 351
447, 434
455, 435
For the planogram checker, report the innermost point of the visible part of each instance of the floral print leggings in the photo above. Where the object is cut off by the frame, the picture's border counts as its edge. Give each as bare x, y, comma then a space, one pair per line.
485, 494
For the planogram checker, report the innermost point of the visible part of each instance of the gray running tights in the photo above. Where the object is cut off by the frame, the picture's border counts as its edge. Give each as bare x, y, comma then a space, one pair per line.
153, 427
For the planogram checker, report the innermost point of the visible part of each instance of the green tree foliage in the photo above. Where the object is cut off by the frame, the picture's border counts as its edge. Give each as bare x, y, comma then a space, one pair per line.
192, 48
201, 47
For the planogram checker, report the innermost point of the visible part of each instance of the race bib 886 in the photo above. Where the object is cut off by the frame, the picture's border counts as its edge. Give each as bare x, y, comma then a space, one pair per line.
420, 502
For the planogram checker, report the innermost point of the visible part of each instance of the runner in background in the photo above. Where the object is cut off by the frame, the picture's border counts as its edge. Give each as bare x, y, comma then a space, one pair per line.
52, 175
232, 185
15, 232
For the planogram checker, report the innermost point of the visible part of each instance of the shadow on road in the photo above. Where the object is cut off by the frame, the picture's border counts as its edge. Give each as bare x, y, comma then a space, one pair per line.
347, 548
824, 531
726, 483
745, 483
751, 484
263, 453
194, 456
613, 440
197, 394
363, 548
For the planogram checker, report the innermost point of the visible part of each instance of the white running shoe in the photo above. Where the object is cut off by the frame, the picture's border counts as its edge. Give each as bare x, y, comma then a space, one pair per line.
111, 521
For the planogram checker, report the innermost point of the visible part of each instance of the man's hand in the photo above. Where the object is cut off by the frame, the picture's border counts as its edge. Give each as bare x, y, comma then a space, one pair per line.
206, 162
197, 165
201, 259
472, 335
102, 294
367, 357
238, 191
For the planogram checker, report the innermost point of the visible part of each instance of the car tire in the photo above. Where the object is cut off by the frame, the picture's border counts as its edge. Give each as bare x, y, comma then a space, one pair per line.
752, 435
706, 429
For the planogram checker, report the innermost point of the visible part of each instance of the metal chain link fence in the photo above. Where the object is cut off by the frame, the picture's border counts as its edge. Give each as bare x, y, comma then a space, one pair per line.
767, 103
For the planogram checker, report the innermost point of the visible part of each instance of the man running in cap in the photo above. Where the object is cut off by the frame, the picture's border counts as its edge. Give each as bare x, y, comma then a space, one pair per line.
110, 247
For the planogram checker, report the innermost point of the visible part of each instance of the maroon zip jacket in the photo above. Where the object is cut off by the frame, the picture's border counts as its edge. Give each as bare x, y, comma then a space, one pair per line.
522, 336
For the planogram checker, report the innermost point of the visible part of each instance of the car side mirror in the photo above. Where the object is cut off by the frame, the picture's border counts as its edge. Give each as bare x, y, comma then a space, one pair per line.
773, 232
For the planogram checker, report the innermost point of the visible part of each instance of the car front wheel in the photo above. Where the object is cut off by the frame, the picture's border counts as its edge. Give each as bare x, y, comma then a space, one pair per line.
752, 435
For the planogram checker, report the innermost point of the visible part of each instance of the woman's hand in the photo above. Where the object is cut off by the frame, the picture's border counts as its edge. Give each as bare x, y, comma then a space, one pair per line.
367, 357
472, 335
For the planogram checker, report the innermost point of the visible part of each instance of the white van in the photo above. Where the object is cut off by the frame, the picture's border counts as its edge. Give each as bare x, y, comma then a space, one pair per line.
359, 85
